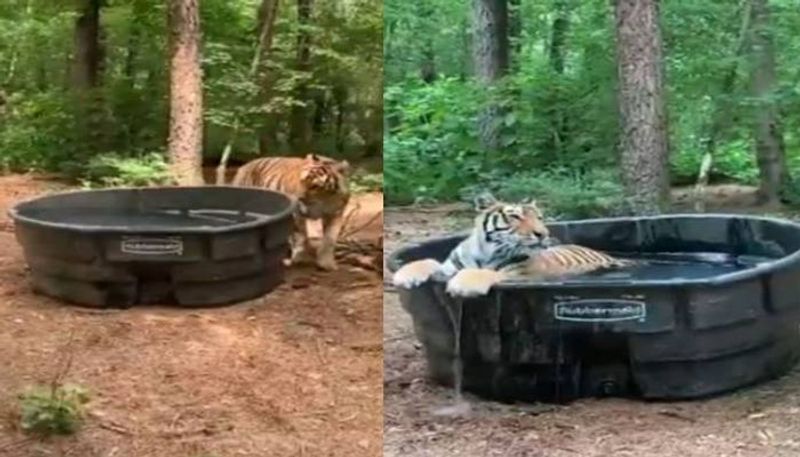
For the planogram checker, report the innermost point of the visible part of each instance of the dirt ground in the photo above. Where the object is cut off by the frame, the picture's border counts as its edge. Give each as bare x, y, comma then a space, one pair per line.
762, 421
296, 373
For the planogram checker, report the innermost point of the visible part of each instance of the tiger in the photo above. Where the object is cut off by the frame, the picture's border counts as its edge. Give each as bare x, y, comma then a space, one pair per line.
507, 241
320, 185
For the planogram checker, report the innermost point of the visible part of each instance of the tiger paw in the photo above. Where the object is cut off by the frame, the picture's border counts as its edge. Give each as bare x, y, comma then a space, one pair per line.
327, 263
473, 282
415, 273
301, 257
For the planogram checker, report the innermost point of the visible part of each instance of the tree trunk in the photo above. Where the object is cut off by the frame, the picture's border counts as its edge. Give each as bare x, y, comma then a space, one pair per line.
720, 115
267, 14
185, 142
557, 55
427, 69
770, 151
514, 30
87, 61
558, 38
465, 56
138, 13
266, 21
300, 122
644, 142
490, 55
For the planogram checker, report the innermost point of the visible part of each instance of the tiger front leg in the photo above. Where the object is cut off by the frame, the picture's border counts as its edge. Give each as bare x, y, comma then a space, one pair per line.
416, 273
301, 247
331, 228
473, 282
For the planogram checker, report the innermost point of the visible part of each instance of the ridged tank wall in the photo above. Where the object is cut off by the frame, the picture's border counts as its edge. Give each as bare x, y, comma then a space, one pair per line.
714, 308
190, 246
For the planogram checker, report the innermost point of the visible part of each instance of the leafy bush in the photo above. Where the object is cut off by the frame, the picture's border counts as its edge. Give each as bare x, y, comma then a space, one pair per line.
366, 182
37, 133
53, 411
733, 161
561, 193
115, 170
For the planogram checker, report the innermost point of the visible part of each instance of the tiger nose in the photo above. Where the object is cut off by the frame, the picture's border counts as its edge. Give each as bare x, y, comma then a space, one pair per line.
541, 234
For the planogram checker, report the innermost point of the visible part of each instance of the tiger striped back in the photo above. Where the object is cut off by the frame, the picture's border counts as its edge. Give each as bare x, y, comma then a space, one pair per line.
294, 175
565, 259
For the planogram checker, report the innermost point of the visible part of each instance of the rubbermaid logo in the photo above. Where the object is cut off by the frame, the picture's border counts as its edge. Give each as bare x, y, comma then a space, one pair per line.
152, 245
598, 310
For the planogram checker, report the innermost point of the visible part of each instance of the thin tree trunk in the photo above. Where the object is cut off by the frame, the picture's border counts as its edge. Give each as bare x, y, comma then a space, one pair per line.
557, 56
266, 30
139, 10
427, 69
514, 30
340, 101
87, 61
490, 54
466, 57
185, 144
300, 128
770, 150
558, 38
268, 13
644, 142
720, 116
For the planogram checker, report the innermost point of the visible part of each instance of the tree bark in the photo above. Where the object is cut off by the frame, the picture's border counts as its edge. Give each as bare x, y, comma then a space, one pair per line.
266, 21
427, 69
490, 56
720, 116
557, 55
87, 61
514, 30
768, 132
185, 144
267, 15
644, 141
300, 127
558, 37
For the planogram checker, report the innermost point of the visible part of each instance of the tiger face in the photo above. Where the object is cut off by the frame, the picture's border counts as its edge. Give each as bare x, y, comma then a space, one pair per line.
322, 174
511, 224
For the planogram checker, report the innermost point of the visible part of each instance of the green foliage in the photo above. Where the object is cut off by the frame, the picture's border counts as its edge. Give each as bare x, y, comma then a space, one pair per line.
114, 170
47, 124
366, 182
53, 411
562, 193
568, 120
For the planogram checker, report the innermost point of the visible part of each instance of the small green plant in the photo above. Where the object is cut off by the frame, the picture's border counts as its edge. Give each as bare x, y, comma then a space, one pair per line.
53, 410
366, 182
115, 170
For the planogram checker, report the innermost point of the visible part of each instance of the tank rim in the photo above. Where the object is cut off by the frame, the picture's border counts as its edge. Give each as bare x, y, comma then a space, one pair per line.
394, 262
19, 218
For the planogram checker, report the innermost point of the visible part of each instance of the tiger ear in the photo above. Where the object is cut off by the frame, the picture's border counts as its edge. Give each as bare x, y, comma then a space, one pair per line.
312, 158
484, 201
343, 166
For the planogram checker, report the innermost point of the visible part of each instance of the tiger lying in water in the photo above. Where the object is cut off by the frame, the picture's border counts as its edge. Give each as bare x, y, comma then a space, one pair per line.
507, 241
320, 185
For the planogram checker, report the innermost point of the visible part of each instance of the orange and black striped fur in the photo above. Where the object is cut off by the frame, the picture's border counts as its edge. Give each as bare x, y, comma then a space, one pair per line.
321, 187
507, 241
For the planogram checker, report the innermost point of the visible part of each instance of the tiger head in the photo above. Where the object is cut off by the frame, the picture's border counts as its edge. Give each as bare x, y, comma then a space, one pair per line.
515, 226
323, 174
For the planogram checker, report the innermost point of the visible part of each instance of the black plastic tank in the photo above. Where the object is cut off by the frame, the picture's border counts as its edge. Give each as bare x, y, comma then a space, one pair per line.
190, 246
712, 306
